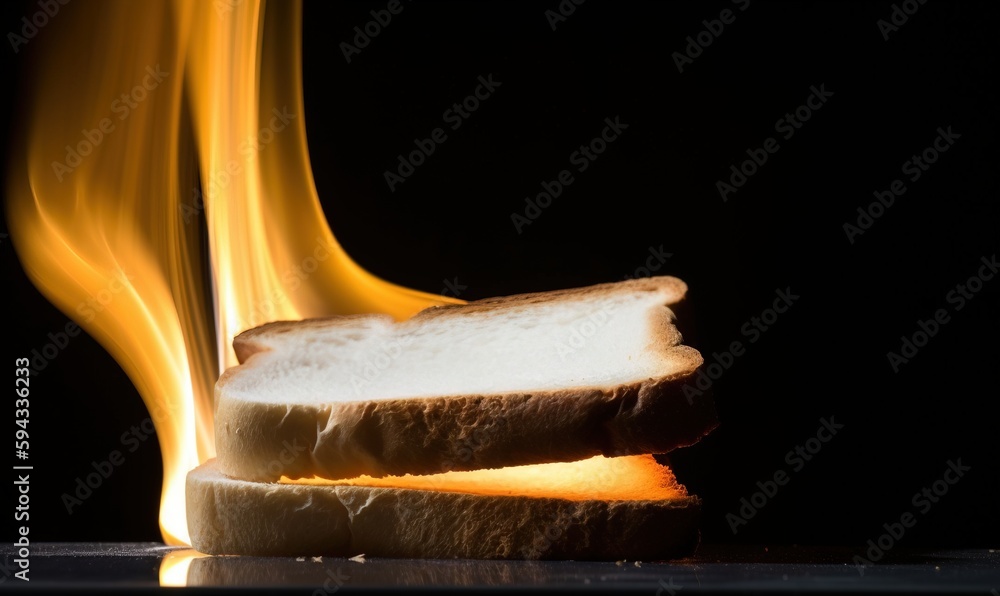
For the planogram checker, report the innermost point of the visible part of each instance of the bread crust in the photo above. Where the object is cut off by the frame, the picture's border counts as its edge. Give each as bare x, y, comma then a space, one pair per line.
227, 516
264, 441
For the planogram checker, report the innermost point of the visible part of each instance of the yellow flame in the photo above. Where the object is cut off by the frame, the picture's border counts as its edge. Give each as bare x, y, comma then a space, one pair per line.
273, 254
106, 221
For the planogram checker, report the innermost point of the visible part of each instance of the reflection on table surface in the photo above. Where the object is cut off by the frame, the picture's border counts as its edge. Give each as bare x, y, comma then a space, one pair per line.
716, 568
131, 567
329, 572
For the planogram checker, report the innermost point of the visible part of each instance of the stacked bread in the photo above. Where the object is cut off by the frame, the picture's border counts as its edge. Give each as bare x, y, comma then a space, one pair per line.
512, 427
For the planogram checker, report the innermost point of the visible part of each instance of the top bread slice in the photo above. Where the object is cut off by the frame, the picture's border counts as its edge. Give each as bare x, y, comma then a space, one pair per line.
532, 378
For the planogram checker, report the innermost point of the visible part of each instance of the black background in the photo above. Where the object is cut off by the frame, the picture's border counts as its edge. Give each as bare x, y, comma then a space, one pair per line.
653, 187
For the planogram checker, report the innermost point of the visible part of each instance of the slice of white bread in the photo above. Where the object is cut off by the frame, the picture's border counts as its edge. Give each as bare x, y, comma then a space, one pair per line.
601, 509
533, 378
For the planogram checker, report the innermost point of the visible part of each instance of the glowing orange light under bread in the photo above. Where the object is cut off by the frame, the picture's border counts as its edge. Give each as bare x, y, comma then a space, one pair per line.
634, 477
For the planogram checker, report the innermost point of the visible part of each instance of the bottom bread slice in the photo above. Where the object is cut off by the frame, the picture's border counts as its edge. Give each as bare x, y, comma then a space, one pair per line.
237, 517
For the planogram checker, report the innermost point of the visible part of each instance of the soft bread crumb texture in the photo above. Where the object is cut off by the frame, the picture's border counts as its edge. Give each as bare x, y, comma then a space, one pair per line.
528, 379
236, 517
589, 340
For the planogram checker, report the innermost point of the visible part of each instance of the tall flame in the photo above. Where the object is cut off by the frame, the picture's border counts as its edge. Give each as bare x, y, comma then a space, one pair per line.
106, 215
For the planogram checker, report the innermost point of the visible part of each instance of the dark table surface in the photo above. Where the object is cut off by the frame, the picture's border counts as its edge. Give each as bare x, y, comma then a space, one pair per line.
104, 568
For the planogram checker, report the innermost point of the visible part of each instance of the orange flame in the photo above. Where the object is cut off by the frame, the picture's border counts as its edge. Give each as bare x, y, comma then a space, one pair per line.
106, 223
